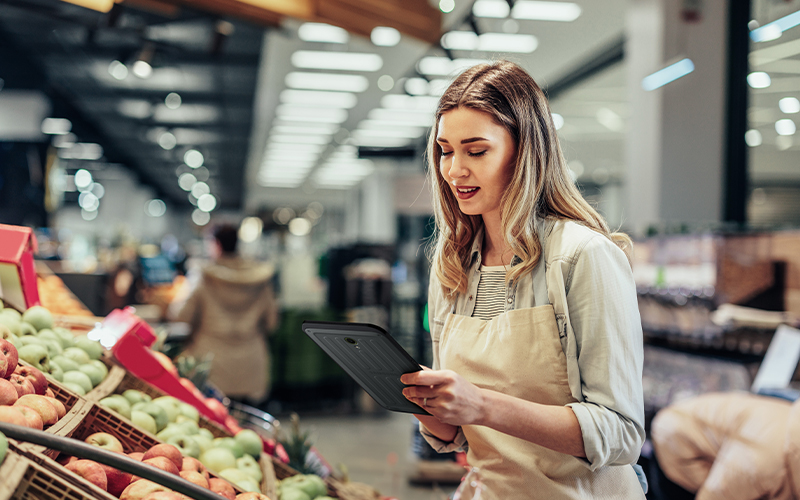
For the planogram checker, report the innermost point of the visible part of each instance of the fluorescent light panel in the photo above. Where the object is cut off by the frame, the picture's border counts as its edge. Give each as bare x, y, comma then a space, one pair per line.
319, 115
498, 9
441, 66
293, 146
417, 102
546, 11
773, 30
323, 33
300, 139
668, 74
311, 129
327, 99
490, 42
326, 81
408, 133
402, 117
351, 61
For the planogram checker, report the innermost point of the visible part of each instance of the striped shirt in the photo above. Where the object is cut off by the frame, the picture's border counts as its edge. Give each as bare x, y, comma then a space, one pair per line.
490, 297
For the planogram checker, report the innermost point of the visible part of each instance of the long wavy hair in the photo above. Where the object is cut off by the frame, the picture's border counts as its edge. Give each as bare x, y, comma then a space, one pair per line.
540, 185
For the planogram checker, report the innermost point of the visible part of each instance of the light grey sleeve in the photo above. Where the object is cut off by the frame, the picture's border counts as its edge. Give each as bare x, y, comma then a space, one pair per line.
459, 443
604, 314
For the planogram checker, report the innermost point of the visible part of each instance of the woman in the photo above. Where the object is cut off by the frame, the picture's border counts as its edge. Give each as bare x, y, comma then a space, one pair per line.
537, 342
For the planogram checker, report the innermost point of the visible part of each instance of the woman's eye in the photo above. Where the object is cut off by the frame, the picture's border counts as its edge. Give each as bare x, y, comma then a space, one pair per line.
477, 153
446, 153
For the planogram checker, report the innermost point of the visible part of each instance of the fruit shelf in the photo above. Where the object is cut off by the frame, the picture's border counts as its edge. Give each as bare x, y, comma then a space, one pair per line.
24, 479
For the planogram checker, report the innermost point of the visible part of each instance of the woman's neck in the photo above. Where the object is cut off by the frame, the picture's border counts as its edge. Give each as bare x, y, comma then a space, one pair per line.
496, 251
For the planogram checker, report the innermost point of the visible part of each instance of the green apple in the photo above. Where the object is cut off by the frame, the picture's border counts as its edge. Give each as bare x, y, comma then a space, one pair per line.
239, 478
65, 363
189, 427
155, 411
56, 372
3, 443
249, 465
100, 366
231, 444
170, 405
290, 493
250, 441
32, 339
39, 317
187, 445
205, 442
134, 396
171, 429
117, 403
66, 337
77, 355
92, 347
143, 421
310, 484
26, 328
80, 378
218, 459
11, 319
96, 375
189, 411
72, 386
6, 334
50, 335
36, 355
53, 347
207, 433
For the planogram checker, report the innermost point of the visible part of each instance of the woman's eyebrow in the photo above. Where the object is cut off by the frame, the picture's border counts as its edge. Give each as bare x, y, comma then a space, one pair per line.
465, 141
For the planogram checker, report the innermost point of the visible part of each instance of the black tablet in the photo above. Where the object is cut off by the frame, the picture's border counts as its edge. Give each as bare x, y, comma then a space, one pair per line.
369, 355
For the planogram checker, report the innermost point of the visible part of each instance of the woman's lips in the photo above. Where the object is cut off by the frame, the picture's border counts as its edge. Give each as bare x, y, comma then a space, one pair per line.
466, 192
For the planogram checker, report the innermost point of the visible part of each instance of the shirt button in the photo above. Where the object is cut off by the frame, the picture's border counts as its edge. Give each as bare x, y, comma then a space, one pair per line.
510, 300
470, 297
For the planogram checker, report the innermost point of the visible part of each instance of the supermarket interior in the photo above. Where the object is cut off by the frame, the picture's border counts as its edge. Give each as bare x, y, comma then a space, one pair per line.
228, 227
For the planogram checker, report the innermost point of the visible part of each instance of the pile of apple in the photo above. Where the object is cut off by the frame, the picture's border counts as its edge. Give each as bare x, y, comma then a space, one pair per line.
303, 487
177, 423
74, 361
163, 456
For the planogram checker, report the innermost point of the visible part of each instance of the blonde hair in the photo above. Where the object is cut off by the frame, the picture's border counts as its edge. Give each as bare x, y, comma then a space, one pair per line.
540, 184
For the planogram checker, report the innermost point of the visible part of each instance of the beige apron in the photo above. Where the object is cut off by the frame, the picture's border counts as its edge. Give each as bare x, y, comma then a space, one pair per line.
519, 353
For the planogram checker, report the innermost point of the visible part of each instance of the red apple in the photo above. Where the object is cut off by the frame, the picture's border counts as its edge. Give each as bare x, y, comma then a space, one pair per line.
162, 463
49, 393
217, 408
136, 455
222, 487
252, 495
21, 384
3, 365
105, 440
40, 403
12, 415
8, 394
117, 480
91, 471
193, 464
60, 408
36, 377
165, 495
140, 489
194, 477
166, 363
11, 354
168, 451
34, 420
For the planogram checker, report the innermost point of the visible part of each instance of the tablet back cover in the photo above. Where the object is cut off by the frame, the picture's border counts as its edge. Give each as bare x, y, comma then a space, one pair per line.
371, 357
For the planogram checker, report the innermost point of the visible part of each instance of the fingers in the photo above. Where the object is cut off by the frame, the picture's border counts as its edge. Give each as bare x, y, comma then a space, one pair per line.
420, 391
427, 377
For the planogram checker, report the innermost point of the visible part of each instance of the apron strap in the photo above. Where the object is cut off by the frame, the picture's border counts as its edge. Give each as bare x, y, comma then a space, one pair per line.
540, 283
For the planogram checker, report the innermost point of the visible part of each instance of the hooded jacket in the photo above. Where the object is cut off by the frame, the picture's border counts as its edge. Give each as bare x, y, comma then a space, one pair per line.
731, 446
231, 312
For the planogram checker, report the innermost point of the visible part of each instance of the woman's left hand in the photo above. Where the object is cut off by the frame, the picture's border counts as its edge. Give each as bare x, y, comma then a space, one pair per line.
446, 395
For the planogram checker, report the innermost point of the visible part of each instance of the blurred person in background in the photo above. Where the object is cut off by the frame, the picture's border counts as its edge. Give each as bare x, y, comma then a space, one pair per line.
231, 311
535, 328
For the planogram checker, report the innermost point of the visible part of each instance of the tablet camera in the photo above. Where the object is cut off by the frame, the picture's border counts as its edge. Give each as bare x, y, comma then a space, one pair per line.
351, 341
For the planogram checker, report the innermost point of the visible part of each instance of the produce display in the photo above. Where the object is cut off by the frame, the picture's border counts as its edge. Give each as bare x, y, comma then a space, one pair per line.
56, 297
303, 487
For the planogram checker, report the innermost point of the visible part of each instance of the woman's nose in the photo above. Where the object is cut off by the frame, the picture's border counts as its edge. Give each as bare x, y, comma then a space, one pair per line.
456, 168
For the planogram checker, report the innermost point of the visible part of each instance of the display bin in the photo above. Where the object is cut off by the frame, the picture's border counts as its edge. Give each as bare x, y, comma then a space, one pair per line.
107, 385
336, 488
24, 479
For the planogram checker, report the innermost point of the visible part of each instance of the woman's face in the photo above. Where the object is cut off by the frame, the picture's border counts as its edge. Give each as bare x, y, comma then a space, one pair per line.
477, 159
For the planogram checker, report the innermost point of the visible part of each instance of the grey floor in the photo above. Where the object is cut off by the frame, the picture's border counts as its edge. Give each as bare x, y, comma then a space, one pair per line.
377, 450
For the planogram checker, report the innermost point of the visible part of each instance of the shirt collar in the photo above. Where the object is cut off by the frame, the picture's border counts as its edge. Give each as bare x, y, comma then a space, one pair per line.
543, 227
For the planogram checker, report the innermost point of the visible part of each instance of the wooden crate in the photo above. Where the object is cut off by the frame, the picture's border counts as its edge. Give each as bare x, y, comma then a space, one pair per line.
24, 479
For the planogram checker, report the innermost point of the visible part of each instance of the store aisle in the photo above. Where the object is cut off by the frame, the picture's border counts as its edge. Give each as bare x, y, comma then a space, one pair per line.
366, 444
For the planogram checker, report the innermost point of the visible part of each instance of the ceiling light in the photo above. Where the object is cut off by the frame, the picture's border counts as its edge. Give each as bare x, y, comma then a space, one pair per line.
142, 69
402, 117
385, 125
135, 108
283, 164
207, 202
193, 158
301, 139
408, 133
447, 6
187, 113
320, 32
385, 36
317, 115
326, 81
199, 189
351, 61
167, 141
296, 146
385, 83
155, 207
789, 105
558, 121
773, 30
545, 11
186, 181
301, 156
753, 138
610, 119
380, 142
421, 103
668, 74
173, 100
785, 127
64, 141
82, 151
507, 42
491, 8
310, 129
299, 226
279, 183
56, 126
345, 100
433, 65
250, 229
460, 40
98, 190
200, 218
416, 86
88, 201
118, 70
759, 80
